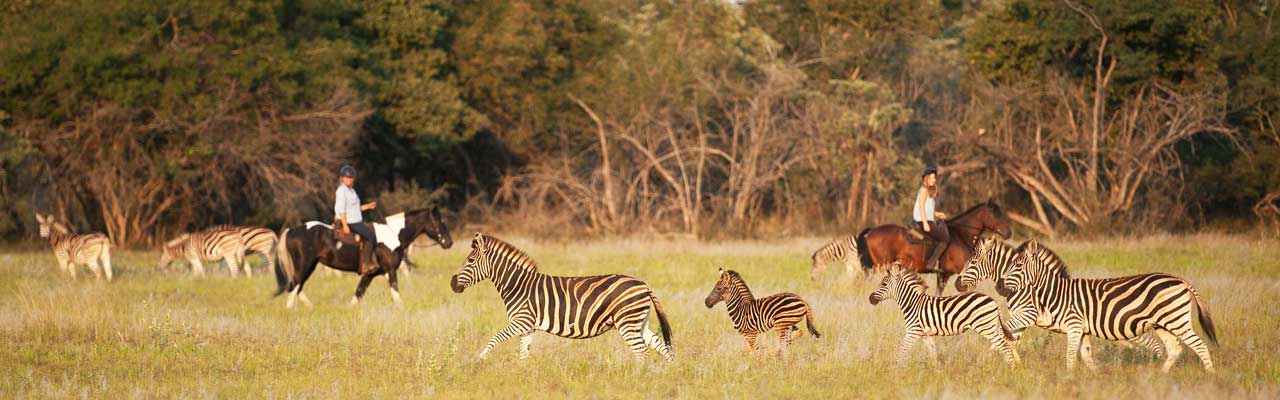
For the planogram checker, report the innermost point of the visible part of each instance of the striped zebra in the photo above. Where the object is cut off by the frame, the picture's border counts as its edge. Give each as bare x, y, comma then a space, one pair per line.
841, 249
208, 245
751, 316
993, 260
571, 307
928, 316
256, 240
92, 249
1112, 308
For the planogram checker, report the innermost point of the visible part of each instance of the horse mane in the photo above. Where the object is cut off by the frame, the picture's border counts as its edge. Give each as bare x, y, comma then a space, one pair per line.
510, 253
1055, 262
995, 209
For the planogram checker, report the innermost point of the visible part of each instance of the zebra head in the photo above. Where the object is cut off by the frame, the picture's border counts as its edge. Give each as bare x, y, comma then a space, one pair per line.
982, 266
169, 251
45, 222
1020, 273
895, 279
476, 269
721, 291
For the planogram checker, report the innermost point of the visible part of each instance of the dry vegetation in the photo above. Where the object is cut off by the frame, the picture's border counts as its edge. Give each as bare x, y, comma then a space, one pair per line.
155, 333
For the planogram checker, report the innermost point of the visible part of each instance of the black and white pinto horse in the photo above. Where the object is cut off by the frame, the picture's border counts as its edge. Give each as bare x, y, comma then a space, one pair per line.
301, 248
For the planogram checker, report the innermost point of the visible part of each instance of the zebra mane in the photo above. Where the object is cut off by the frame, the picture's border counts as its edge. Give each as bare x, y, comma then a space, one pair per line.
509, 253
739, 284
1054, 262
176, 240
912, 281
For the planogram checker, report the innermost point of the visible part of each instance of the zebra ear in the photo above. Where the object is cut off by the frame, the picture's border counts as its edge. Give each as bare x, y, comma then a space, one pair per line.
1033, 246
39, 218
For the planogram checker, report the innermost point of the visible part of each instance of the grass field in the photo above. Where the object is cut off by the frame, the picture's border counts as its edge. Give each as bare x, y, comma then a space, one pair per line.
164, 334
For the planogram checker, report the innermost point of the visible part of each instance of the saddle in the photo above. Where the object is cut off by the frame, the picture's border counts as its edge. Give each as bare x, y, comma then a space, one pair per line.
915, 235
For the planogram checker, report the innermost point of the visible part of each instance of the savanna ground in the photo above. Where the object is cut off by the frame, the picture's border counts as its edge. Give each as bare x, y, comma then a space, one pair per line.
164, 334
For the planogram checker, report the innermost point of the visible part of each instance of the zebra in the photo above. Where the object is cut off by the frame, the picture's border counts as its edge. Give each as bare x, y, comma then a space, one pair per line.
751, 316
256, 240
841, 249
928, 316
92, 249
571, 307
1112, 308
209, 245
993, 260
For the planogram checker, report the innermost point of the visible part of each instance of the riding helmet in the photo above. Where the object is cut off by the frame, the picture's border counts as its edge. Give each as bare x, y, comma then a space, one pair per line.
929, 170
347, 170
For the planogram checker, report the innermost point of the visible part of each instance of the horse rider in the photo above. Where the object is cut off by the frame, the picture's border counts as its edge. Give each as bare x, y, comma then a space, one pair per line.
930, 220
347, 214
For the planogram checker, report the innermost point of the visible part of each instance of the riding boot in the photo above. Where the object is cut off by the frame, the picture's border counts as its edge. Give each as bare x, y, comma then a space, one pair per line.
935, 252
367, 263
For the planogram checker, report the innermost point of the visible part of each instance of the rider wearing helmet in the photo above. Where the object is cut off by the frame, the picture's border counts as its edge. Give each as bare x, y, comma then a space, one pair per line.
930, 220
348, 218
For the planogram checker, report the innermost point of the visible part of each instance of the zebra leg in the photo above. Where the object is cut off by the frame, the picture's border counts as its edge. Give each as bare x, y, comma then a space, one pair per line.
1193, 341
655, 342
360, 288
244, 263
232, 265
105, 257
907, 341
994, 334
514, 329
784, 339
197, 267
633, 335
525, 341
930, 348
751, 342
97, 269
1086, 354
816, 269
1173, 349
1074, 335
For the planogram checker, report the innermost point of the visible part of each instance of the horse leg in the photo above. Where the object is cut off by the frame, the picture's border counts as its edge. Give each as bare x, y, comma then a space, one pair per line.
364, 284
395, 285
302, 280
942, 280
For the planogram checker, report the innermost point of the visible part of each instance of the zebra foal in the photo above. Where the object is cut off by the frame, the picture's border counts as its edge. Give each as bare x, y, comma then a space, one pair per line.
92, 249
576, 307
928, 316
751, 316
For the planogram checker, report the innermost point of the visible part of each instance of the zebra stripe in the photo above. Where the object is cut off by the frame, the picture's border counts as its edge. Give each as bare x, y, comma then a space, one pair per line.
205, 246
927, 316
841, 249
572, 307
751, 316
256, 240
1112, 308
993, 260
71, 250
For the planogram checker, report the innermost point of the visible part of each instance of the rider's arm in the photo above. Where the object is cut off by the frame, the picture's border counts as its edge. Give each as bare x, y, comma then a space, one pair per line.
369, 206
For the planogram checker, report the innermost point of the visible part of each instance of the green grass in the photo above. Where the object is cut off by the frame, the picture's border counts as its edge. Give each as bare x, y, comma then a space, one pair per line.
164, 334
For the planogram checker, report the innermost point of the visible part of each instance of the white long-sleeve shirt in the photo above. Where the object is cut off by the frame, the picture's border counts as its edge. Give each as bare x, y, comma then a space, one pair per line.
347, 201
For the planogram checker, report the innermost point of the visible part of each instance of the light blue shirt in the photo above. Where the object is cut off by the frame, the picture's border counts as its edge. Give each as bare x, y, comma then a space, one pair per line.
346, 201
928, 207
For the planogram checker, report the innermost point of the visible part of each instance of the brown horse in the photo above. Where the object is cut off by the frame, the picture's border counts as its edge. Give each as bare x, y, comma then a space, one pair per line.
885, 244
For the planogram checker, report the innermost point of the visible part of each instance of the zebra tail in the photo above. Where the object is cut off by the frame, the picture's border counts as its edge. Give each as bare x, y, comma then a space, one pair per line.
284, 264
864, 255
1206, 321
662, 319
808, 322
1008, 335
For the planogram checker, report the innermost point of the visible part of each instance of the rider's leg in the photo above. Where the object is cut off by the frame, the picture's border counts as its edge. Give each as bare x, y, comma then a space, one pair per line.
938, 231
367, 243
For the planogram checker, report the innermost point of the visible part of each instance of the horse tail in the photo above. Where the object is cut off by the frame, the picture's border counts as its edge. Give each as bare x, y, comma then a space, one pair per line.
1206, 321
662, 319
285, 273
864, 253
